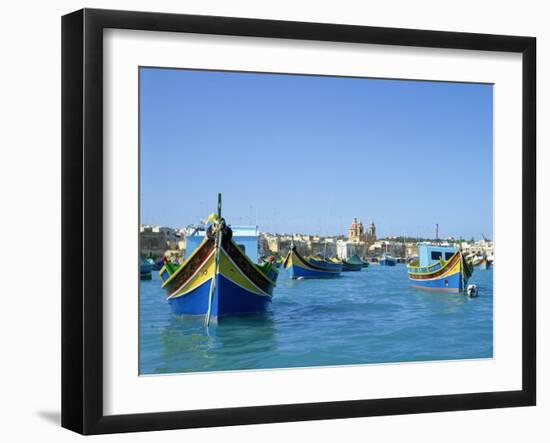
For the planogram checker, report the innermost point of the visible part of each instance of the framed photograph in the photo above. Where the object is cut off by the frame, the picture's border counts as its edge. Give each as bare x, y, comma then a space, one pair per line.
268, 221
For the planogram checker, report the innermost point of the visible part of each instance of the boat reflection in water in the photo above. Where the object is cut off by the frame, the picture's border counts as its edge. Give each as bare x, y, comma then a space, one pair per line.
237, 343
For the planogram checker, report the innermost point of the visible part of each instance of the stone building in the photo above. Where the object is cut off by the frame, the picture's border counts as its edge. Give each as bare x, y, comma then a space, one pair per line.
274, 244
325, 247
346, 249
154, 241
396, 249
371, 233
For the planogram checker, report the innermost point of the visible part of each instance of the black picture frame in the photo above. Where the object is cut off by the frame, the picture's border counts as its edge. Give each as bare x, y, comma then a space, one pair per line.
82, 220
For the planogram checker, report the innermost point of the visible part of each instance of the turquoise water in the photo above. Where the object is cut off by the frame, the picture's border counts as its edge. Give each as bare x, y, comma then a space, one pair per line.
372, 316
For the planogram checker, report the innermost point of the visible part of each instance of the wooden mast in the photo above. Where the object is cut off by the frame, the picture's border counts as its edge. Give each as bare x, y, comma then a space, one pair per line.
217, 246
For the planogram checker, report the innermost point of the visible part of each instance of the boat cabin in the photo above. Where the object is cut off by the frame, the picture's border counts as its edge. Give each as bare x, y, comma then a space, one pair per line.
430, 254
246, 237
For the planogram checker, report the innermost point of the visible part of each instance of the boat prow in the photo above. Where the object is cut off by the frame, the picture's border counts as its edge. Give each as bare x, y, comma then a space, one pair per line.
219, 279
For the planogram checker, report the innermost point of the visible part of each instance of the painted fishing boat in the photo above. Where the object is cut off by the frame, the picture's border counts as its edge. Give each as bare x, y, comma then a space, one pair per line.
218, 278
301, 267
352, 264
440, 268
145, 269
365, 263
387, 260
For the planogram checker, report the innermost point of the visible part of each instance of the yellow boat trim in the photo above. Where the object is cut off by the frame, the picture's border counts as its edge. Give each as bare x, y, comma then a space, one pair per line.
252, 263
184, 263
227, 268
293, 260
202, 274
412, 267
456, 268
230, 270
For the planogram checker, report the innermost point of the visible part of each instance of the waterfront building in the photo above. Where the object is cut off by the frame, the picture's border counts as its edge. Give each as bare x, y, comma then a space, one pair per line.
325, 247
154, 241
394, 248
479, 248
274, 244
346, 249
284, 244
411, 249
263, 245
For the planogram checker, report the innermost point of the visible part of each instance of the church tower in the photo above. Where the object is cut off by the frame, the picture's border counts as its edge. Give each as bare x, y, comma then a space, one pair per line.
356, 231
371, 232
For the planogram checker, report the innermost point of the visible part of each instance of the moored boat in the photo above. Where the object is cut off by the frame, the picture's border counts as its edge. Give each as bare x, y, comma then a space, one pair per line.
301, 267
440, 268
354, 263
218, 278
145, 269
387, 260
365, 263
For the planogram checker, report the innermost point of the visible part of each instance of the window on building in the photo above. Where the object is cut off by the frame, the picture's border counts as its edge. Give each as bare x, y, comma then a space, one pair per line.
436, 255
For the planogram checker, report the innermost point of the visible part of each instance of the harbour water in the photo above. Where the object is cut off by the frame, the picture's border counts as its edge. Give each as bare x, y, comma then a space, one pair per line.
372, 316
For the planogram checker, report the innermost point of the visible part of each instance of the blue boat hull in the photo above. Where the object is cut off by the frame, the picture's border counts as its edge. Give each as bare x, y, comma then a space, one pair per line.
300, 267
228, 299
451, 283
145, 271
299, 272
350, 267
386, 262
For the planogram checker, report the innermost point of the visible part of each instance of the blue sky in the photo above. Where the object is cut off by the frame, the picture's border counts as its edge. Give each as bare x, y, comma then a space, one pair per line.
308, 153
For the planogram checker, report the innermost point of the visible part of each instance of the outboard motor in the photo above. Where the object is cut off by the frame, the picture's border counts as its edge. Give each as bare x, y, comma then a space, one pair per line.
472, 291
